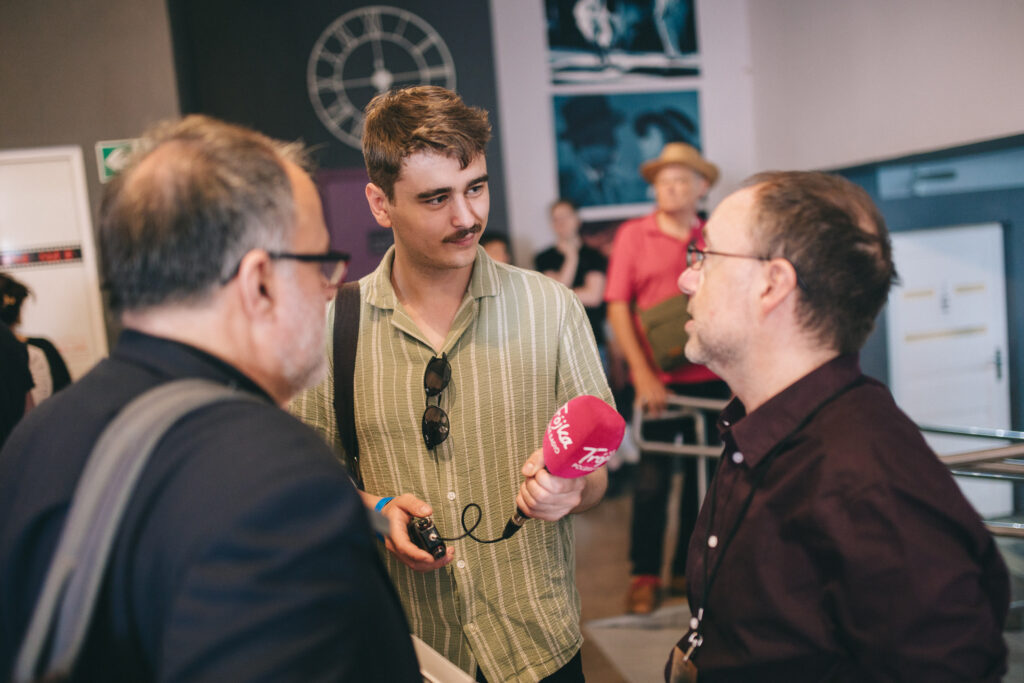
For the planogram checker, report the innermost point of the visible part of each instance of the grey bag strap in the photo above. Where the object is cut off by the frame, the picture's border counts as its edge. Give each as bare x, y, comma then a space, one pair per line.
65, 606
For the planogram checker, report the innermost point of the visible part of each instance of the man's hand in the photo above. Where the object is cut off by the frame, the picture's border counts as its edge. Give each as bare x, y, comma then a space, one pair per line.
545, 496
650, 392
399, 511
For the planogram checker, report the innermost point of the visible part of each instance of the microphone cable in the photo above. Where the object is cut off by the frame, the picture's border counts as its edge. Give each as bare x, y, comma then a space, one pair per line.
468, 530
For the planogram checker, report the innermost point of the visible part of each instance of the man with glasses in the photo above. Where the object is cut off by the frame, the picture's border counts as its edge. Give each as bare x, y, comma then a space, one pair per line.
460, 365
245, 553
833, 544
648, 254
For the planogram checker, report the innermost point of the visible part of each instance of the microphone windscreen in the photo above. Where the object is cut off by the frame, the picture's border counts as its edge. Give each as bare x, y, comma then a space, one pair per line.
581, 437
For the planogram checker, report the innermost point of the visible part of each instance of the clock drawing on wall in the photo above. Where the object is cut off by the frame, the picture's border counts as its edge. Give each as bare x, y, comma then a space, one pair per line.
368, 51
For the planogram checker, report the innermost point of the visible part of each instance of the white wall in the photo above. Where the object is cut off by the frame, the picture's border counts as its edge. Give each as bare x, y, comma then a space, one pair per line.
528, 129
528, 137
790, 84
839, 82
727, 92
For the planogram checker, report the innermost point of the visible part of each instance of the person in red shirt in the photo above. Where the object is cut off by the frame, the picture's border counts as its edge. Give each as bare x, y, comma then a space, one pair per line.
647, 258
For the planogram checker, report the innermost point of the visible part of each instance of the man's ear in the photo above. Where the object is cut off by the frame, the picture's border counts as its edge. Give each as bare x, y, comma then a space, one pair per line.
379, 205
779, 282
256, 284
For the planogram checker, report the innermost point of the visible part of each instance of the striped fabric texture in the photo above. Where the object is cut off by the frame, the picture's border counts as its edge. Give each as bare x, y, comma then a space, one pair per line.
520, 346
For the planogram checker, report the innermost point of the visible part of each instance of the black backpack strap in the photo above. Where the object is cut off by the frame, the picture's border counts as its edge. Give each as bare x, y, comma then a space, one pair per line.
346, 337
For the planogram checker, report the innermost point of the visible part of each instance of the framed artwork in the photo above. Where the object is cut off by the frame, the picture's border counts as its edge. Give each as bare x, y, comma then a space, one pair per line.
603, 41
602, 139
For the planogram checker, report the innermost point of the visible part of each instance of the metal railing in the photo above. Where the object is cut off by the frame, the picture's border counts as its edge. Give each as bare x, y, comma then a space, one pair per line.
681, 407
1001, 463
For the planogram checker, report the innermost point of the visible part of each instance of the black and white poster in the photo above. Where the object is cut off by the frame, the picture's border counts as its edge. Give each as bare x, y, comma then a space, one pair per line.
604, 138
605, 41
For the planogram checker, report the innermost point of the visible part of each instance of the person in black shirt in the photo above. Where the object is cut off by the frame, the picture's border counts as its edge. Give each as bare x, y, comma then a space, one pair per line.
833, 545
245, 552
575, 265
49, 372
15, 381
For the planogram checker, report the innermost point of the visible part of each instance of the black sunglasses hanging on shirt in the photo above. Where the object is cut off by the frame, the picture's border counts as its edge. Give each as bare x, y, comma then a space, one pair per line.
435, 420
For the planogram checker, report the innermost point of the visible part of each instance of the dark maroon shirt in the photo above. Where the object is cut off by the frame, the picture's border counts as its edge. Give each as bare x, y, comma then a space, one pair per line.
858, 558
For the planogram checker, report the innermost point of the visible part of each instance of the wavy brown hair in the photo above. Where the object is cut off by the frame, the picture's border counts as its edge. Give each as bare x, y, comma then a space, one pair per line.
427, 118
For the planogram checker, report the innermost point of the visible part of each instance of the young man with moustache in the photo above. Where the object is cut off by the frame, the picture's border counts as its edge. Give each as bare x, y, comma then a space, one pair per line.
833, 544
460, 365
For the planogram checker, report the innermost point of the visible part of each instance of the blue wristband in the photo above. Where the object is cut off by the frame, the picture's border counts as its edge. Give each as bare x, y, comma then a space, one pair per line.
380, 506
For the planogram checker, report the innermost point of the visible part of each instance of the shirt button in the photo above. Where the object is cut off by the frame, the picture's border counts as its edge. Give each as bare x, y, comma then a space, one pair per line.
725, 423
737, 457
712, 541
461, 564
451, 495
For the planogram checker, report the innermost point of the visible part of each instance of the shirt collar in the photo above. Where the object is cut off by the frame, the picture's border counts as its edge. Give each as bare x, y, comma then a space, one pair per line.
172, 359
756, 434
651, 228
380, 293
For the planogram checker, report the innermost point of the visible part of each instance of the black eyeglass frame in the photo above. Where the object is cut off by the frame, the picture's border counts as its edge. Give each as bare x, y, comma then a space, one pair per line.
695, 260
435, 425
339, 258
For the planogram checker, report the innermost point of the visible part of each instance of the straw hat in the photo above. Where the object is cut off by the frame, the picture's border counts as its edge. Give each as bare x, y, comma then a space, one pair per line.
680, 153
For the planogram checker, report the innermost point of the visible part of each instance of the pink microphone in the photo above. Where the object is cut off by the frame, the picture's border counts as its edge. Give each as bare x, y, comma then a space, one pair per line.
580, 438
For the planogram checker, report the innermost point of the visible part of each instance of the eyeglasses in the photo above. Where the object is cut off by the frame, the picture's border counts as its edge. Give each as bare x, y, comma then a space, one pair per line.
695, 256
333, 264
435, 420
695, 260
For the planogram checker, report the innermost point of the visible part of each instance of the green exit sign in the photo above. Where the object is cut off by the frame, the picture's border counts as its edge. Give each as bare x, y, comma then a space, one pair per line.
112, 155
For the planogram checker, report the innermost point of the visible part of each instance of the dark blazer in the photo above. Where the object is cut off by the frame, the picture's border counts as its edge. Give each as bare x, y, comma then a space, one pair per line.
245, 553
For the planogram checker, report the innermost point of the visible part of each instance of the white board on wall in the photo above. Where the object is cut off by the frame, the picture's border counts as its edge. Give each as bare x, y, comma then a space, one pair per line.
46, 242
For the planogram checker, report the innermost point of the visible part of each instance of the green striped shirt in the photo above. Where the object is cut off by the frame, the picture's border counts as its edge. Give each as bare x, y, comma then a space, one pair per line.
520, 347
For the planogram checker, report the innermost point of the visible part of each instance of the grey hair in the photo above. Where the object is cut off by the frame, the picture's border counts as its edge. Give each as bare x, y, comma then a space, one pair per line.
197, 195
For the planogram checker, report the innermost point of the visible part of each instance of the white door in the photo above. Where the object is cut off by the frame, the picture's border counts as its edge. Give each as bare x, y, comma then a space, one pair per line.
46, 242
947, 342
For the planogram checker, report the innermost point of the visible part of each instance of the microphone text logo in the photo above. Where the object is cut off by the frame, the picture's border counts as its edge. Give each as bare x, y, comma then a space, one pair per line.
559, 431
593, 458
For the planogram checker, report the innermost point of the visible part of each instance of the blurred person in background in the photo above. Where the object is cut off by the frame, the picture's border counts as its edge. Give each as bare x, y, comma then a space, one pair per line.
49, 372
15, 382
497, 247
575, 265
647, 258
